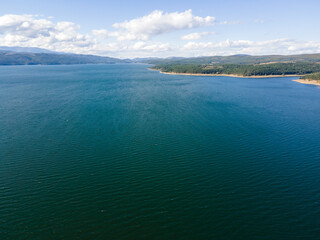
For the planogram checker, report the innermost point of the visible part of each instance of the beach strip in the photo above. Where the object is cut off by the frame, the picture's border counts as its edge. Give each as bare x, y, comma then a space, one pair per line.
224, 75
307, 81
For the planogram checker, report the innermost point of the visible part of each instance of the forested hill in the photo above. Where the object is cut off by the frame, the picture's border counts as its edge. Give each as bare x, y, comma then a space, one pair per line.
299, 68
242, 65
312, 76
237, 59
27, 58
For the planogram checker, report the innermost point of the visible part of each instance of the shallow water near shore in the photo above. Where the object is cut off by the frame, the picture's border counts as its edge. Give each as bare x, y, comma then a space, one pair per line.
121, 152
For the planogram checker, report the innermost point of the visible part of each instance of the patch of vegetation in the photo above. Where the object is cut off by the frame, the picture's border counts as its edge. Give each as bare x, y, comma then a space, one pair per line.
238, 59
17, 58
312, 76
299, 68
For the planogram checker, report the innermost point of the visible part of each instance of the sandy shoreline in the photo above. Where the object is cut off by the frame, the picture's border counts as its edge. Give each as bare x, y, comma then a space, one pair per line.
224, 75
303, 81
306, 81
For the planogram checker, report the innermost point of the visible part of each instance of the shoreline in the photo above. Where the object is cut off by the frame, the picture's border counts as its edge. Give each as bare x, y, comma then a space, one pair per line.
307, 81
224, 75
303, 81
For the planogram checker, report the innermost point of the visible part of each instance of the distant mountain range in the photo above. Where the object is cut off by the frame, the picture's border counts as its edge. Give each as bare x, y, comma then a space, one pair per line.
38, 56
238, 59
26, 50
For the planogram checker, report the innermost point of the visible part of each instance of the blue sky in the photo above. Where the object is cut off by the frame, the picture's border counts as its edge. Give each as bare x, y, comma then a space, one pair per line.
163, 28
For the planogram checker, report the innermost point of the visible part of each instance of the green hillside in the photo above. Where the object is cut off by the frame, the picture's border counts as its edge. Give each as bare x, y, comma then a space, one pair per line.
238, 59
23, 58
312, 76
299, 68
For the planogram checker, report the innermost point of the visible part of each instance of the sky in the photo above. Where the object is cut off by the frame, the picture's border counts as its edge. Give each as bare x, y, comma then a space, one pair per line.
130, 29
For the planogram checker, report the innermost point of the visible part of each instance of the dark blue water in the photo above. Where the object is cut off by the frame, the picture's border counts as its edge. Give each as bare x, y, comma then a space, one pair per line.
120, 152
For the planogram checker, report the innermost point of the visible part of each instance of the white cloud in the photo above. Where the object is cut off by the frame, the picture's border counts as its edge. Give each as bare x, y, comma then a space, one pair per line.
134, 49
154, 47
36, 31
195, 49
134, 38
158, 22
33, 31
100, 33
195, 36
26, 25
277, 46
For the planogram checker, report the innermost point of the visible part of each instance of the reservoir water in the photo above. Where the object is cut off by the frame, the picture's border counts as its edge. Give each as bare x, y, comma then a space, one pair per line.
120, 152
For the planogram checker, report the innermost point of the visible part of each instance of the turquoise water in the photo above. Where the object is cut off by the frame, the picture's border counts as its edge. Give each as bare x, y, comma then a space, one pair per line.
120, 152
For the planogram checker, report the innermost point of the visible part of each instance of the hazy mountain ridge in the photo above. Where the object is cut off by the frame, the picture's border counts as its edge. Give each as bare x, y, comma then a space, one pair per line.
39, 56
27, 50
239, 59
29, 58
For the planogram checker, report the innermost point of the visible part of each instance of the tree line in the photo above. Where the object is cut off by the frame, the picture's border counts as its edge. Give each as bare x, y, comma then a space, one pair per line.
300, 68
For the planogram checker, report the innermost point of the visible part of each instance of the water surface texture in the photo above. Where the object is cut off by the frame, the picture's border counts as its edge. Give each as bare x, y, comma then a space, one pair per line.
121, 152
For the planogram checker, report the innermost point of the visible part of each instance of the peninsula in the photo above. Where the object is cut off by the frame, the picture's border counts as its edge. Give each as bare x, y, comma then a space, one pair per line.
241, 65
313, 79
241, 70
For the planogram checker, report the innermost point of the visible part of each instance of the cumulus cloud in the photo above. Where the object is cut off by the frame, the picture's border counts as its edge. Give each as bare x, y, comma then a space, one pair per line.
195, 49
36, 31
133, 38
277, 46
100, 33
154, 47
158, 22
134, 49
195, 36
33, 31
